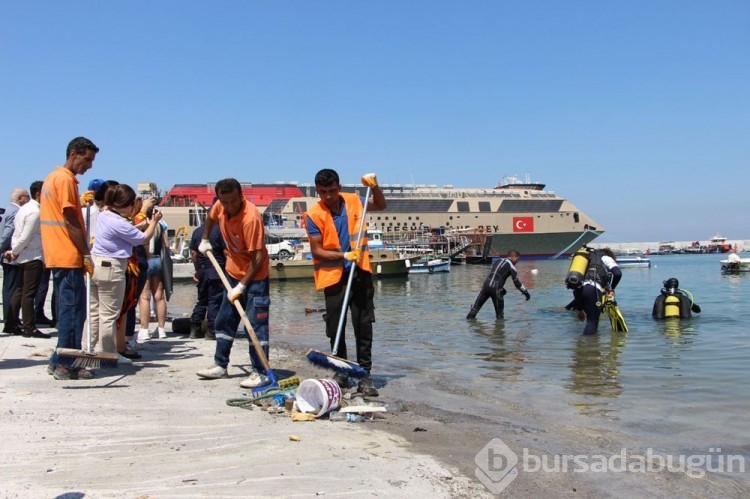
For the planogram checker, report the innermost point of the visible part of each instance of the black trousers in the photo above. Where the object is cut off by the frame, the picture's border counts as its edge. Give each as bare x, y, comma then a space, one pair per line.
210, 293
486, 293
29, 276
11, 282
362, 309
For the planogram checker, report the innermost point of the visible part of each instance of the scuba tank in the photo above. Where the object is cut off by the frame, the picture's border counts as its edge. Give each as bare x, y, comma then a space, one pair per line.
672, 307
579, 264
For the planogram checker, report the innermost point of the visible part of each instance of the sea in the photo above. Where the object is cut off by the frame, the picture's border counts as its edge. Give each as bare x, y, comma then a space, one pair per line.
674, 385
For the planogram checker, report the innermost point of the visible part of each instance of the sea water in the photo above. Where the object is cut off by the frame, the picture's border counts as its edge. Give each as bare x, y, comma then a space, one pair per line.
677, 385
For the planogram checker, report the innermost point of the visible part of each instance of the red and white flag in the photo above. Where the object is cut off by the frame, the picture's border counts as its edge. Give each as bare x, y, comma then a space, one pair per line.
523, 224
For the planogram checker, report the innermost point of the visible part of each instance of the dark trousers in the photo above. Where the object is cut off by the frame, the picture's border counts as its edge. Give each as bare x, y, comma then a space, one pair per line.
10, 284
130, 315
41, 295
210, 294
29, 275
70, 289
589, 298
363, 315
497, 300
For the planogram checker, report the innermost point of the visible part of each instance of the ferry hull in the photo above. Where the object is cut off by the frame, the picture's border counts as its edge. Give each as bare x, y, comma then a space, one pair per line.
536, 246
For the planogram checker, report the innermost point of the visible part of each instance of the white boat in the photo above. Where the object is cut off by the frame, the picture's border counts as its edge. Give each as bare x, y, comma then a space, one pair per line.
430, 266
638, 261
733, 264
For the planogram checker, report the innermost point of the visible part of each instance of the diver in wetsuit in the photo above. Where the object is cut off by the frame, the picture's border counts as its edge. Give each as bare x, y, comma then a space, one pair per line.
602, 277
674, 302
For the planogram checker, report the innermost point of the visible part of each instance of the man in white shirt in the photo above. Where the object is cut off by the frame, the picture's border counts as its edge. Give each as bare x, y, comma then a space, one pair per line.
26, 254
18, 197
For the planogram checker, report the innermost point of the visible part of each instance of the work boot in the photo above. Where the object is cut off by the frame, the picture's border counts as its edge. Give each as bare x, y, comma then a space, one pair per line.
255, 380
213, 372
211, 335
195, 332
366, 387
342, 380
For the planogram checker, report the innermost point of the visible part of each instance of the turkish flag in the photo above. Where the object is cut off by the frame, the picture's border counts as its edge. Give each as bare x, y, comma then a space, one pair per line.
523, 224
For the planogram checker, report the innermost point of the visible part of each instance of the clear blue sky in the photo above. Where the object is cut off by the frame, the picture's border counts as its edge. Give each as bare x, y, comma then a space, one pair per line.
636, 111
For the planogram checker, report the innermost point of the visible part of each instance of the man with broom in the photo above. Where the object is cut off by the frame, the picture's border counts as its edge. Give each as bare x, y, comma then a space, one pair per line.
66, 252
333, 226
241, 226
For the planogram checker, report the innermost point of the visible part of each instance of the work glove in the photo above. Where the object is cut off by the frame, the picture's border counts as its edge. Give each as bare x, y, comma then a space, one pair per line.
205, 246
527, 295
88, 264
235, 292
369, 180
353, 255
87, 198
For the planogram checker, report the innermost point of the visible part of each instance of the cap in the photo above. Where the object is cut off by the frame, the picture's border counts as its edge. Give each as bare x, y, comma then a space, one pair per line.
95, 183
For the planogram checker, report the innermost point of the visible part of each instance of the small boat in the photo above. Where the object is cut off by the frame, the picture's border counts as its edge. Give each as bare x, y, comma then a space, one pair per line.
430, 266
630, 261
733, 264
384, 263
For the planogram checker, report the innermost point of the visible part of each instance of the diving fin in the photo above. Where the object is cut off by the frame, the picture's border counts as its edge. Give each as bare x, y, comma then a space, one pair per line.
616, 318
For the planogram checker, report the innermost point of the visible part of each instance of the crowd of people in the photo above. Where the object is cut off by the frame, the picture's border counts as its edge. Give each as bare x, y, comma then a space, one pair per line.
102, 250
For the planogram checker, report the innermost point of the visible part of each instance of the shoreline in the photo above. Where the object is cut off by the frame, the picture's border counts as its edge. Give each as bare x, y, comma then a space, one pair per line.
155, 430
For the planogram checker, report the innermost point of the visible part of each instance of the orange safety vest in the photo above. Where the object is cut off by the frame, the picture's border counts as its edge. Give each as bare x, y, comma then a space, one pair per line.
328, 273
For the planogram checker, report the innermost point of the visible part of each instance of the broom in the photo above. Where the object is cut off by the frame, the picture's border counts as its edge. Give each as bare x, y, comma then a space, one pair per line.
86, 358
274, 384
331, 361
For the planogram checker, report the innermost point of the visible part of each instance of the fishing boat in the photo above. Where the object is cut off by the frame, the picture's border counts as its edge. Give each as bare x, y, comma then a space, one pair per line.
430, 265
512, 215
733, 264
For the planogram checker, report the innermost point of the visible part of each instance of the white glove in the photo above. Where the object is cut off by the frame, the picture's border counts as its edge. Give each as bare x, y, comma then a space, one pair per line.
205, 246
236, 292
369, 180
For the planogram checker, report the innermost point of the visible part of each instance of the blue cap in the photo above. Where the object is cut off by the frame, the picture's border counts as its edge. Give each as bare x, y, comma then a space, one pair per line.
95, 183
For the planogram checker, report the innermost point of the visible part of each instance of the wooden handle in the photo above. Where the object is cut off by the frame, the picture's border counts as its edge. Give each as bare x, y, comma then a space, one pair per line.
243, 315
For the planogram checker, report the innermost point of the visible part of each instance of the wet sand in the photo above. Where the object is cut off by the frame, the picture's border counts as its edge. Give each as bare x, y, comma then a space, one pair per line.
154, 429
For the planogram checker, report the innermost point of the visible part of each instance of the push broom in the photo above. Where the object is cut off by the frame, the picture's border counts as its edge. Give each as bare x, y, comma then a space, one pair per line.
331, 361
87, 358
274, 384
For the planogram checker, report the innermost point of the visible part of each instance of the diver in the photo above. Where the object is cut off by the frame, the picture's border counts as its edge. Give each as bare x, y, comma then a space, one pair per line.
674, 302
593, 273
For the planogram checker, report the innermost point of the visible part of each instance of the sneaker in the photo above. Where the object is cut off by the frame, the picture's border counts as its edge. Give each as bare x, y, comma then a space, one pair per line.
133, 345
255, 380
123, 360
51, 368
144, 335
81, 373
366, 387
342, 380
129, 354
160, 333
61, 372
213, 372
211, 335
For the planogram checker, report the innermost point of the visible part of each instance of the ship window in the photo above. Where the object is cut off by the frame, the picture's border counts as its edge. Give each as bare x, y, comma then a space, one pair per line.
575, 217
419, 205
530, 206
462, 206
484, 206
299, 206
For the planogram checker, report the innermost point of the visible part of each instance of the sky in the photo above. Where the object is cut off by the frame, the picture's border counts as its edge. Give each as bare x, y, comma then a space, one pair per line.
637, 111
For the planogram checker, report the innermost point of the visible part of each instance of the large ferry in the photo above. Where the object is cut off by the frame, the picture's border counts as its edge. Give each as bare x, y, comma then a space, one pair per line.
513, 215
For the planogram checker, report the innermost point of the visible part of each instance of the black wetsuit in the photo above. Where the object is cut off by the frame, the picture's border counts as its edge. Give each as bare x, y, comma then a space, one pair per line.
493, 287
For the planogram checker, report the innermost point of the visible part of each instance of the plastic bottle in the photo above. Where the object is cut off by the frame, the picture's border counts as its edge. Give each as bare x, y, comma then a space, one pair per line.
346, 416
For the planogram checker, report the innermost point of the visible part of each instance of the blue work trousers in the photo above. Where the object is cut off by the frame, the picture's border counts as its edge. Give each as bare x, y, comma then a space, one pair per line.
70, 289
256, 303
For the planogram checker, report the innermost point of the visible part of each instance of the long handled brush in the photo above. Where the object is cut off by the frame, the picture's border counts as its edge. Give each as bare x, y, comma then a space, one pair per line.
250, 332
331, 361
87, 358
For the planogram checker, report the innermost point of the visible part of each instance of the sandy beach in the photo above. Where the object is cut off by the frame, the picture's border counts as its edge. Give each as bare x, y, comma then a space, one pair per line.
154, 429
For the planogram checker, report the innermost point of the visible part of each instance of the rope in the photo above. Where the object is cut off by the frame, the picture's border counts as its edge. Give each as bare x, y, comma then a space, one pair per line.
573, 243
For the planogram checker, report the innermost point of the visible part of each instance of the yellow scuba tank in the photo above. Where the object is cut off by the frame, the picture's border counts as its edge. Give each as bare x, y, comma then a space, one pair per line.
672, 307
579, 264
